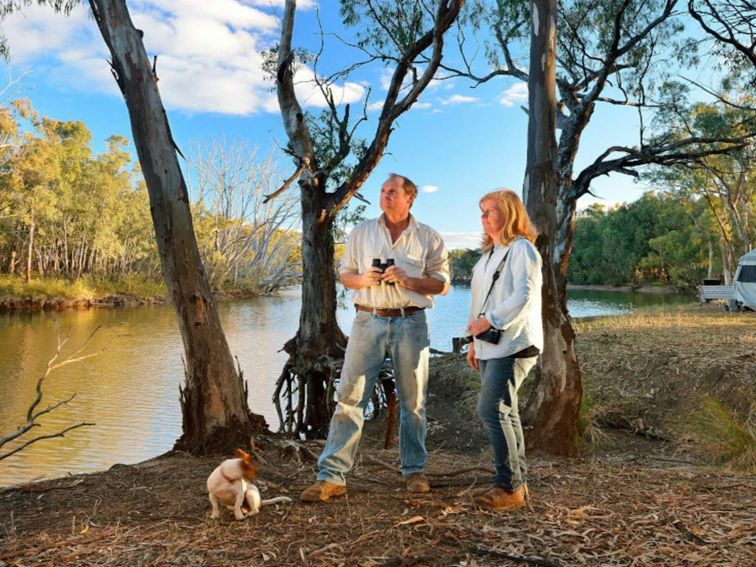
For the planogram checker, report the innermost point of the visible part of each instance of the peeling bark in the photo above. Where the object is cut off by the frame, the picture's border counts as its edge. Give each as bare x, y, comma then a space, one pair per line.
552, 410
214, 399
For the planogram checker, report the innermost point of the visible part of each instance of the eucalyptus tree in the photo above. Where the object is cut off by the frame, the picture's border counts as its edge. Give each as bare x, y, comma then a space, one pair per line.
727, 182
214, 400
214, 406
732, 23
245, 240
331, 165
606, 52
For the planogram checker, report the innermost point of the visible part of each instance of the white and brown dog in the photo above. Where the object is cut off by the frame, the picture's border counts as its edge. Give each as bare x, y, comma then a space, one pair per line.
232, 485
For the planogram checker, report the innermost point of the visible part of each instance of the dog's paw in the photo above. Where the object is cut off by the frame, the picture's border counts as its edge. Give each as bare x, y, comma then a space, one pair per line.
239, 516
215, 515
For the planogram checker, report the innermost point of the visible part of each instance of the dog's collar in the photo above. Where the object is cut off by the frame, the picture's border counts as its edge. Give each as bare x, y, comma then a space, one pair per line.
228, 480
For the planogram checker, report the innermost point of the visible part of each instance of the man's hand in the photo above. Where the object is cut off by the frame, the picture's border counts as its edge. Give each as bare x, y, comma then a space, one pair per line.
479, 325
372, 277
396, 275
471, 360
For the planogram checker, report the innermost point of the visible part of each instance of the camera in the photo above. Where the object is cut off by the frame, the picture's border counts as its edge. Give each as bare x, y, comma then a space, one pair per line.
383, 266
459, 342
490, 336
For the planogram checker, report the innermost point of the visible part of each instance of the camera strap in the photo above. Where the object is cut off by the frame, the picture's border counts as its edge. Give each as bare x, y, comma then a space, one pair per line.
493, 281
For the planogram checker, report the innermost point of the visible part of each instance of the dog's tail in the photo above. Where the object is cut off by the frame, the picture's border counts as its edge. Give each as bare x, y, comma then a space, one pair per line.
275, 500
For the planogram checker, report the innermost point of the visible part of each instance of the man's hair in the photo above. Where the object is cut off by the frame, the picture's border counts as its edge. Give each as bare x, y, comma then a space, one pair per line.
409, 187
516, 219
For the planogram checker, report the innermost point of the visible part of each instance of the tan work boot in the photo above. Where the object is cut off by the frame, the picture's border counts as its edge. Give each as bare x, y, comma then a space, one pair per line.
322, 491
501, 499
417, 482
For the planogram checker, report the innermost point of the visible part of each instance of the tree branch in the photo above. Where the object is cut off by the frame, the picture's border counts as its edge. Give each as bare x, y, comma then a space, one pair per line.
685, 151
393, 107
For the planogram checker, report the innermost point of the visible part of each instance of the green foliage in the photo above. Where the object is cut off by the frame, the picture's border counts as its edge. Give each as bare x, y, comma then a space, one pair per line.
462, 263
650, 240
75, 224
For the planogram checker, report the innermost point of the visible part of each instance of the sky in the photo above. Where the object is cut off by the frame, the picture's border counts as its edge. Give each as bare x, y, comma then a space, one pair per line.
456, 143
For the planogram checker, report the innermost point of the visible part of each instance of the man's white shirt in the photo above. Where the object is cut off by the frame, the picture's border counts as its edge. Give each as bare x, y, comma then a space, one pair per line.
419, 251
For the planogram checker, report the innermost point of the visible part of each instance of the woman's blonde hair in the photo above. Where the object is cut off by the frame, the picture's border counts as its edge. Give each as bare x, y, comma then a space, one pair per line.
516, 219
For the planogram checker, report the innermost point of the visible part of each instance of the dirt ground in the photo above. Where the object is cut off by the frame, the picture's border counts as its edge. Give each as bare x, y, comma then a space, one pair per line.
643, 495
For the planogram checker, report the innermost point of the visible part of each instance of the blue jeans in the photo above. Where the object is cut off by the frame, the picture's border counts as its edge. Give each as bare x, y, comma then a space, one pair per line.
406, 341
497, 409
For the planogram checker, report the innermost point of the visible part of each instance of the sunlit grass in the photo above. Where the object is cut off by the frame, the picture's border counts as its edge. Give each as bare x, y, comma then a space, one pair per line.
723, 435
84, 288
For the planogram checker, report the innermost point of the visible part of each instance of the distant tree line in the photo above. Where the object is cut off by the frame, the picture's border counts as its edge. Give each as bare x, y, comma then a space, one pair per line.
66, 212
660, 238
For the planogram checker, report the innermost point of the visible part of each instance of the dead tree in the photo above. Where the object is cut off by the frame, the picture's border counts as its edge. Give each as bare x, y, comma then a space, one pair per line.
34, 413
216, 416
305, 382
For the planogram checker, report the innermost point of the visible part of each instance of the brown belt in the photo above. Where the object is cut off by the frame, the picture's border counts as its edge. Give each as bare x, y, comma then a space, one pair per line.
399, 312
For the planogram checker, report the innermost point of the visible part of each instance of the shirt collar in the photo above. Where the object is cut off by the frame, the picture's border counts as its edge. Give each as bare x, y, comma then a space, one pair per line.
410, 227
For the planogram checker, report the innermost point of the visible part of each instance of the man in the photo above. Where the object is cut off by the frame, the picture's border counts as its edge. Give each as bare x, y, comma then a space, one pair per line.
390, 320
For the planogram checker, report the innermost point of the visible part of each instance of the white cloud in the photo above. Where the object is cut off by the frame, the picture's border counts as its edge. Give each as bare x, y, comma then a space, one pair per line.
463, 240
209, 53
429, 188
514, 94
421, 106
373, 106
459, 99
309, 94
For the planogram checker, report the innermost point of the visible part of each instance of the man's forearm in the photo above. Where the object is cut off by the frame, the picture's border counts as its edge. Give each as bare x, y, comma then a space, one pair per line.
427, 286
351, 280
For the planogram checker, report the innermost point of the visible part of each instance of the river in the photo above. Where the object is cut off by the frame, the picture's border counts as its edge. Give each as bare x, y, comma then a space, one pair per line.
130, 389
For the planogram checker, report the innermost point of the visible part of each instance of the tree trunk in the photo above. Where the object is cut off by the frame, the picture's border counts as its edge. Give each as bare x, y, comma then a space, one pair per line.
30, 251
216, 416
552, 409
710, 267
319, 341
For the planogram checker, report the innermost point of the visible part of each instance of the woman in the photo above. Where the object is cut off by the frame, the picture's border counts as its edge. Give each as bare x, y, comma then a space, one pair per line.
506, 295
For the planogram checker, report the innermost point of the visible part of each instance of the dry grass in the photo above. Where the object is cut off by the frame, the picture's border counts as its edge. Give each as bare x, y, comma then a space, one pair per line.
633, 501
647, 371
642, 511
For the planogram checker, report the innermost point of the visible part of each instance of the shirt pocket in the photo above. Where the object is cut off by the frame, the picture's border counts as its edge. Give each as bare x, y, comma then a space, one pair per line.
414, 267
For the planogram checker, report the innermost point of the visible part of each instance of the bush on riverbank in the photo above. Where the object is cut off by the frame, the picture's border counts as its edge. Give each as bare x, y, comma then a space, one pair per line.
83, 288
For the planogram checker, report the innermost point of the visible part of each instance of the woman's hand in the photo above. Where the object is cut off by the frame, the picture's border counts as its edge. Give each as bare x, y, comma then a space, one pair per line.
479, 325
471, 360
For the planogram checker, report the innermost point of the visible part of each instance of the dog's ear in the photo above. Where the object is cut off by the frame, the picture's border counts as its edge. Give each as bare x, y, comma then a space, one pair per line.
243, 455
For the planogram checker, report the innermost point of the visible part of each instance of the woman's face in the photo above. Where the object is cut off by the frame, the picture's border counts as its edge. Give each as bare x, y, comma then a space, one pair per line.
491, 218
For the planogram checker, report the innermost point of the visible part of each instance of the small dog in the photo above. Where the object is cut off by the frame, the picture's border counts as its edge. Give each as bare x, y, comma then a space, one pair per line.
232, 484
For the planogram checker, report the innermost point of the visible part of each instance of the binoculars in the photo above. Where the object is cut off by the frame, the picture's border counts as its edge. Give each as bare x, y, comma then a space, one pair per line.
383, 266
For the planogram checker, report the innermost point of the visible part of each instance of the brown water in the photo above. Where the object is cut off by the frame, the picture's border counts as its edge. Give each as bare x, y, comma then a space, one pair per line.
131, 389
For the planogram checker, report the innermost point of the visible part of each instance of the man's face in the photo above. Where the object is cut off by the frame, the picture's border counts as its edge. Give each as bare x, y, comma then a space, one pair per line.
394, 199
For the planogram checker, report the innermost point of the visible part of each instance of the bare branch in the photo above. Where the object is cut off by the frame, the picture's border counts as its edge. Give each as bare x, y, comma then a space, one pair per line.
42, 437
283, 187
685, 151
393, 107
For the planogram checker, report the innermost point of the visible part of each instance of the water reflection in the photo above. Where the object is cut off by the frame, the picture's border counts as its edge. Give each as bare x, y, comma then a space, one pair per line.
131, 389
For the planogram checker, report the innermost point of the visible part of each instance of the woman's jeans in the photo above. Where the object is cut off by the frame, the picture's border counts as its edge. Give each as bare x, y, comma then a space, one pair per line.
497, 409
405, 340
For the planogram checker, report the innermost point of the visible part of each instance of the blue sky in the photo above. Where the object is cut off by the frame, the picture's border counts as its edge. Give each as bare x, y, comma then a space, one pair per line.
457, 143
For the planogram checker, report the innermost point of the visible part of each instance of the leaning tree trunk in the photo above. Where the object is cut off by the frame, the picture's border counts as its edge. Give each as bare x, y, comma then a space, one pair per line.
553, 407
319, 343
216, 416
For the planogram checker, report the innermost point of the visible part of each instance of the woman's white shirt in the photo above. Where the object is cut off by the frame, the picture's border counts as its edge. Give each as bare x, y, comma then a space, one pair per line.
514, 306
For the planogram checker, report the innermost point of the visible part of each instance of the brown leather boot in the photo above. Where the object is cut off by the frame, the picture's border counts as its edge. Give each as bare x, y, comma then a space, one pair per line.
417, 482
322, 491
501, 499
